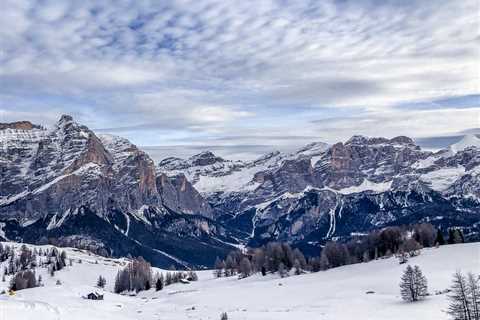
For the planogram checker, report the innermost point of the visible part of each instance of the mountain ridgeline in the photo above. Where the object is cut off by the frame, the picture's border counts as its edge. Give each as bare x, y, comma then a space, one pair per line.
68, 186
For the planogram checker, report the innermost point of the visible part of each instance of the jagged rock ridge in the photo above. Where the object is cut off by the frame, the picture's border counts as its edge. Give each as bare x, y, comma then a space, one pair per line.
355, 186
68, 176
67, 185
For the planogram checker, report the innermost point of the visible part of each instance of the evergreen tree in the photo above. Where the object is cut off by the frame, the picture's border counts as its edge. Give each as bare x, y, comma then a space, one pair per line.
147, 286
413, 285
118, 286
450, 236
12, 266
159, 284
264, 271
462, 238
101, 282
168, 279
455, 236
439, 239
52, 271
259, 259
26, 257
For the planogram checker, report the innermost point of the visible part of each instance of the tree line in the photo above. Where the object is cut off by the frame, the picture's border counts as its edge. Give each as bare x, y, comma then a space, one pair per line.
22, 266
278, 257
137, 276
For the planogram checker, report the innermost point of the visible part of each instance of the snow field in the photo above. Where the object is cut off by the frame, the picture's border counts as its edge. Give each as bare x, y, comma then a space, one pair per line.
338, 293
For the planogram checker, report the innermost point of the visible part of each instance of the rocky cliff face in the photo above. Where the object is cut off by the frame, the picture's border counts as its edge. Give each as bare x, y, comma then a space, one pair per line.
355, 186
179, 195
364, 184
375, 159
19, 125
68, 186
50, 178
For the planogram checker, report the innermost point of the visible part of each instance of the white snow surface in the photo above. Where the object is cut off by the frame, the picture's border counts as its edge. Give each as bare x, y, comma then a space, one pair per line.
441, 179
469, 140
336, 294
226, 176
427, 162
367, 185
237, 175
120, 148
235, 181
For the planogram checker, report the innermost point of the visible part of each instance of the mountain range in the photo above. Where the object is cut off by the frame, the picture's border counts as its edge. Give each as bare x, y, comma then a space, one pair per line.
67, 185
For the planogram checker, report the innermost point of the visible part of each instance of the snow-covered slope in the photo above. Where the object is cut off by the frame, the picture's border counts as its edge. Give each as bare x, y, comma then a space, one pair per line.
469, 140
210, 173
336, 294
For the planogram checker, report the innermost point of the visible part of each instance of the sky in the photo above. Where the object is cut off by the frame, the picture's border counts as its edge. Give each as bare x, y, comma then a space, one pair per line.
243, 77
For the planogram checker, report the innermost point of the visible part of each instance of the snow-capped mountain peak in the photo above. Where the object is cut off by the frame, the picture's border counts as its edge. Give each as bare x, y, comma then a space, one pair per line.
469, 140
54, 180
205, 158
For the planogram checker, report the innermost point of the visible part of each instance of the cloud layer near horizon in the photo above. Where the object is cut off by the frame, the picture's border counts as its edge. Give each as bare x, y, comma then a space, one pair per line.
238, 73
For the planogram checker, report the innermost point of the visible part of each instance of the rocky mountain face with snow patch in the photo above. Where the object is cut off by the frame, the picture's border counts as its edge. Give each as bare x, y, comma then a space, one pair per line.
307, 197
68, 185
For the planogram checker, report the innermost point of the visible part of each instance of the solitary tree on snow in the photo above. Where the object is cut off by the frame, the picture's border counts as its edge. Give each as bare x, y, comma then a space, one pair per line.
101, 282
413, 285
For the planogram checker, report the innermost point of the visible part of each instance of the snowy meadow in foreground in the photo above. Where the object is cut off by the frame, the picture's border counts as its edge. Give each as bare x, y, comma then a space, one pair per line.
339, 293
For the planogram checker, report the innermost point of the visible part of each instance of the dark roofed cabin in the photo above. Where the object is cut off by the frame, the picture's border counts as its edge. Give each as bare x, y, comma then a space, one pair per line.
94, 296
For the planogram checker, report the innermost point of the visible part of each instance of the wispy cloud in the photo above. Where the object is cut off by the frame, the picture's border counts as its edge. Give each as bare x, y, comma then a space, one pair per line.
211, 69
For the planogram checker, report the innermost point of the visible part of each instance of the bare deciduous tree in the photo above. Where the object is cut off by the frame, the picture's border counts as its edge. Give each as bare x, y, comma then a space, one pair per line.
413, 285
